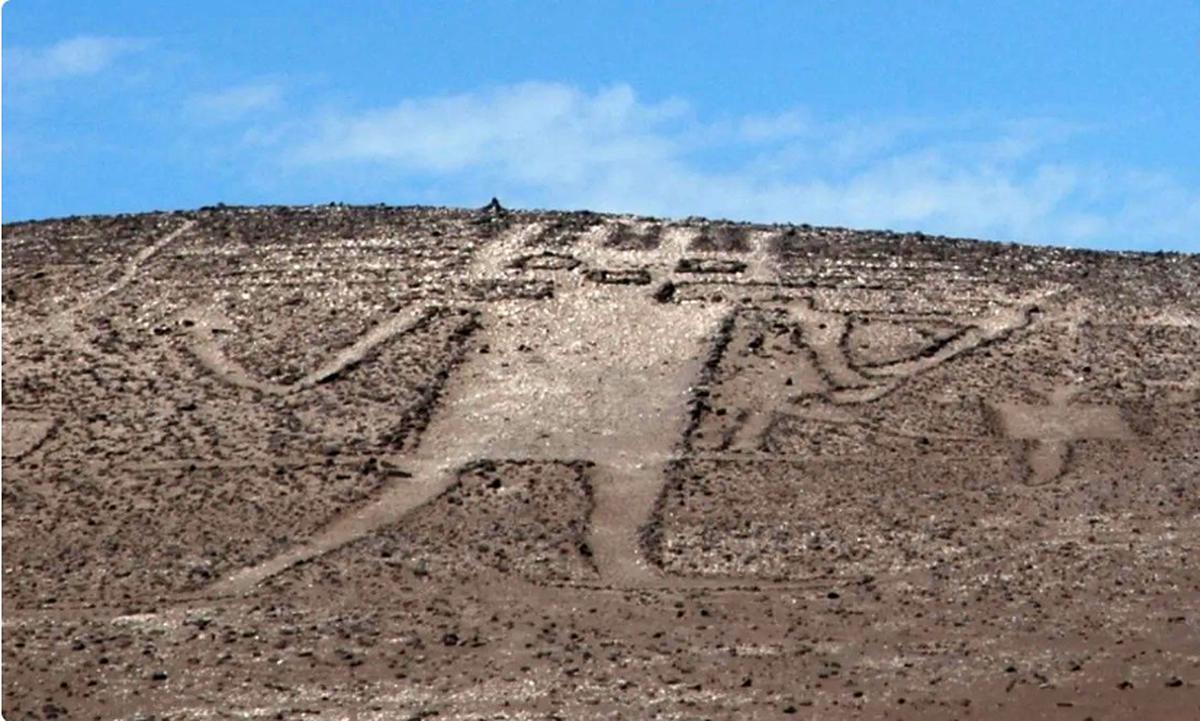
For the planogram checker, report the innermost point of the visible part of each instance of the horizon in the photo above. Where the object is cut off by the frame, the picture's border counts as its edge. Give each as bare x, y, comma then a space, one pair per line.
677, 220
1052, 127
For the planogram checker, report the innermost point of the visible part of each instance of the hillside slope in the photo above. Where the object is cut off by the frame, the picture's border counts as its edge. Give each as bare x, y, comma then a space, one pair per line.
293, 462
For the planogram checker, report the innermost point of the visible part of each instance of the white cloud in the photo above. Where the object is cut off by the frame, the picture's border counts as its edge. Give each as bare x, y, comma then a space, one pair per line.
80, 56
235, 102
554, 145
538, 133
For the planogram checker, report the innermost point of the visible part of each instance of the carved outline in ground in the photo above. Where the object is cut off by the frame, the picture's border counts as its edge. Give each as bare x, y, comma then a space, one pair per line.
482, 418
472, 420
64, 321
204, 323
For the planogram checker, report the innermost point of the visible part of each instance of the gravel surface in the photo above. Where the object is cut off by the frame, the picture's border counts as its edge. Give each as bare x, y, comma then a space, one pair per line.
375, 462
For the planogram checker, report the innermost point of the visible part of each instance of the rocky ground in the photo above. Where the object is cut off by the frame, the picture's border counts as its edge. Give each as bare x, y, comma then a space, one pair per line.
374, 462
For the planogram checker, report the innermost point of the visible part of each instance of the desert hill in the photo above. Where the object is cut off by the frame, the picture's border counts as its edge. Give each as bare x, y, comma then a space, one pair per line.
378, 462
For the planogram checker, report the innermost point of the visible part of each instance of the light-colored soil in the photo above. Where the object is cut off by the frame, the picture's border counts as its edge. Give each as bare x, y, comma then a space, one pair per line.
395, 463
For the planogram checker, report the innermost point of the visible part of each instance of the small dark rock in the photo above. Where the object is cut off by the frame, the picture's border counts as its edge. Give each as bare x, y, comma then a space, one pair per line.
665, 292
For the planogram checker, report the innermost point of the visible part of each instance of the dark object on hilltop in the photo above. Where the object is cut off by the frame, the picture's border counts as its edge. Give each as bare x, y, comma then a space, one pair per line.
494, 207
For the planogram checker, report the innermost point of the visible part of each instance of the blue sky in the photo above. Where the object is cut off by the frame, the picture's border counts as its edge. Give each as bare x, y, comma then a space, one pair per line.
1064, 123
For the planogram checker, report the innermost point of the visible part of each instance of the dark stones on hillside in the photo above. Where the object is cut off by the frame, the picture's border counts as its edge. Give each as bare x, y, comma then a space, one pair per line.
561, 231
627, 237
722, 238
665, 292
546, 260
709, 265
622, 276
